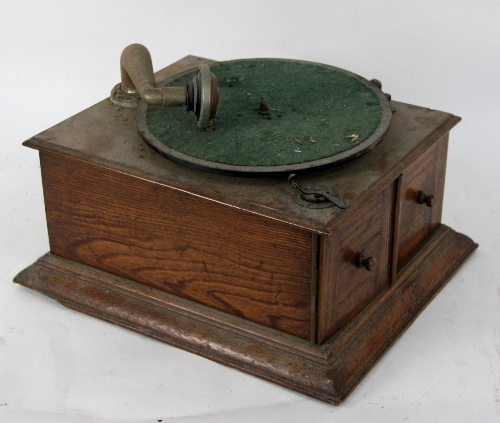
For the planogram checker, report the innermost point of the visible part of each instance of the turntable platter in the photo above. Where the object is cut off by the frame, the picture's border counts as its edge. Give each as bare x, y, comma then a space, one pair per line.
273, 116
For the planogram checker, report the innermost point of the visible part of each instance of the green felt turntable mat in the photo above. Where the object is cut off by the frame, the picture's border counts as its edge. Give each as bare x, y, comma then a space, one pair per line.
314, 112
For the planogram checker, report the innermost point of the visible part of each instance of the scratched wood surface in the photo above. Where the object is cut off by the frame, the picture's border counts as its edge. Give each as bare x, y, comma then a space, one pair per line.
223, 257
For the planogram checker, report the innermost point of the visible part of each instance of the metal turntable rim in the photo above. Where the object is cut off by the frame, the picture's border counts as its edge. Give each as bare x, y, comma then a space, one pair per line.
211, 166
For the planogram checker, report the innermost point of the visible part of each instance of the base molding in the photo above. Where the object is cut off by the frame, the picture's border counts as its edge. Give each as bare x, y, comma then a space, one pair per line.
328, 372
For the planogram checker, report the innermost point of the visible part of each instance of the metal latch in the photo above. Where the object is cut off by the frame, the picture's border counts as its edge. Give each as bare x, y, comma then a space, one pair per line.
318, 193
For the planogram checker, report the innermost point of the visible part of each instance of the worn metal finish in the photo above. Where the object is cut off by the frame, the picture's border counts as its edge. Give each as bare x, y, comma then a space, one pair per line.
202, 95
122, 98
137, 76
377, 83
318, 193
138, 82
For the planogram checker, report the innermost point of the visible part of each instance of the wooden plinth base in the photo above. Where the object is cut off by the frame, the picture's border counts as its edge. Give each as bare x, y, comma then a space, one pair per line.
328, 372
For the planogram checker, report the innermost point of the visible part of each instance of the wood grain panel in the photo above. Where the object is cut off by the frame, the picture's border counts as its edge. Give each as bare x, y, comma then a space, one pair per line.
368, 235
345, 288
326, 286
328, 372
228, 259
417, 221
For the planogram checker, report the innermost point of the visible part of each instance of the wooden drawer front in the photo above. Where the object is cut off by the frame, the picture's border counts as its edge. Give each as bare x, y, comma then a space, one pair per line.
345, 289
417, 220
242, 264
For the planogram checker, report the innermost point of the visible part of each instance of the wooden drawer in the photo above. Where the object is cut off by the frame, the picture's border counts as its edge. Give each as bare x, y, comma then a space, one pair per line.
417, 219
345, 288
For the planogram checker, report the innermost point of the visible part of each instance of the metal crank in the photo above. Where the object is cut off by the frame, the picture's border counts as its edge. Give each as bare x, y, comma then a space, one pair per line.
318, 193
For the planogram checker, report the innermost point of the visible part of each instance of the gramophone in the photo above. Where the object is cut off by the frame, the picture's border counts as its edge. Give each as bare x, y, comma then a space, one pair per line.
287, 225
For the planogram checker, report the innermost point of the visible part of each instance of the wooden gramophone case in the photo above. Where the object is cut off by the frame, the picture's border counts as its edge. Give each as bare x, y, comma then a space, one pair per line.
233, 268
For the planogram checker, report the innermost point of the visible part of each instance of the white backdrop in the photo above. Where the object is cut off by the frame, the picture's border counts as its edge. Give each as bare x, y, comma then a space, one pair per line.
59, 57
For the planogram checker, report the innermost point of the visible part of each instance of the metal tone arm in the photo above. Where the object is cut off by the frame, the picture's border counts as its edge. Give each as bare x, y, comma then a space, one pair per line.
201, 96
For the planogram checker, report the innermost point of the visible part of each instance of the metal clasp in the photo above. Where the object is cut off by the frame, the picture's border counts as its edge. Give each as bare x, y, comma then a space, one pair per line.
318, 193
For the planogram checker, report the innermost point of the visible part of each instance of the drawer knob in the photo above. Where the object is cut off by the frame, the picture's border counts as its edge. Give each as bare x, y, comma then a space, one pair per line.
426, 199
367, 262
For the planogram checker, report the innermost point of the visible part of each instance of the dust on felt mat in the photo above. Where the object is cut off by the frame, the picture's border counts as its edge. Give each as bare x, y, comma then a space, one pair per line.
310, 112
